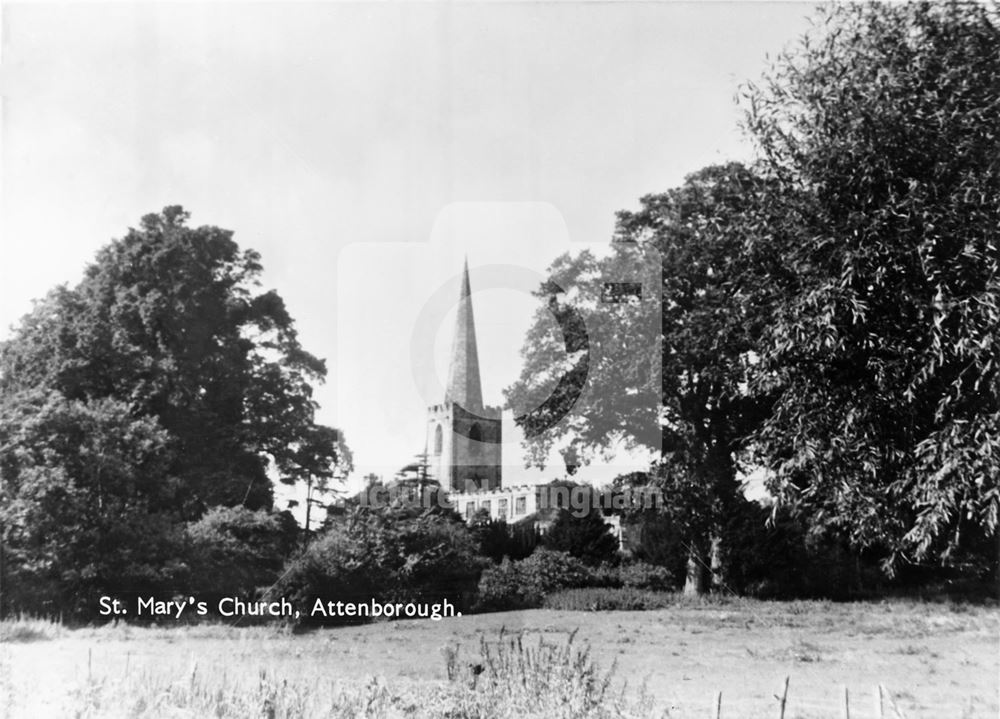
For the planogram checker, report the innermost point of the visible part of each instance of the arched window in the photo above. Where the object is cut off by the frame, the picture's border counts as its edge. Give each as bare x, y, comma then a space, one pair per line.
438, 439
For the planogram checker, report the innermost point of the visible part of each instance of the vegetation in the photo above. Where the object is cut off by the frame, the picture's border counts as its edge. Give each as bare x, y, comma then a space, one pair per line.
235, 552
936, 658
588, 538
515, 676
607, 599
497, 539
396, 554
160, 387
825, 316
828, 314
523, 584
878, 137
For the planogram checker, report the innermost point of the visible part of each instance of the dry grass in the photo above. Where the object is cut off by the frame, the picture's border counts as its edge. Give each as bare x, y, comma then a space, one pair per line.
937, 659
30, 629
512, 677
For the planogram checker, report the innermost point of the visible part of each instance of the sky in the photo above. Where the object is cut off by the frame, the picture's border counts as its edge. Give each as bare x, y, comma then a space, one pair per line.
365, 150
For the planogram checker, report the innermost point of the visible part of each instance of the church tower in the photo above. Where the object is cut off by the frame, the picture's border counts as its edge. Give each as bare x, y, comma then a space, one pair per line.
463, 435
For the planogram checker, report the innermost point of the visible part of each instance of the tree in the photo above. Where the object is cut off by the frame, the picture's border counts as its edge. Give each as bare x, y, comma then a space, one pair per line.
168, 321
710, 310
587, 537
80, 483
879, 135
590, 379
161, 386
496, 539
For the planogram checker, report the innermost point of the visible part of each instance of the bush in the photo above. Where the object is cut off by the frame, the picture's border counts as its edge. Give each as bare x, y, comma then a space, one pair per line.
501, 589
235, 551
548, 570
640, 575
524, 584
387, 555
654, 538
605, 575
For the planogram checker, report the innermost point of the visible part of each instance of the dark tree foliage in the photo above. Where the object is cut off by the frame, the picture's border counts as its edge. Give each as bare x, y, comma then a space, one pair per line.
396, 553
162, 385
880, 137
497, 539
236, 552
167, 321
588, 537
714, 311
772, 554
77, 503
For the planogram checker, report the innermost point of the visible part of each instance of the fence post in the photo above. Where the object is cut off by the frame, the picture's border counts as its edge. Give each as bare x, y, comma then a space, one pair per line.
847, 704
784, 697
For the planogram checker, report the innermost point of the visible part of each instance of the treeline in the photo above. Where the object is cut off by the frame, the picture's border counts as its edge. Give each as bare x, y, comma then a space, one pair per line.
824, 318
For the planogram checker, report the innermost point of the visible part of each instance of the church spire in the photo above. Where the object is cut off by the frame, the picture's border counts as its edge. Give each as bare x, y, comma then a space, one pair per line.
463, 372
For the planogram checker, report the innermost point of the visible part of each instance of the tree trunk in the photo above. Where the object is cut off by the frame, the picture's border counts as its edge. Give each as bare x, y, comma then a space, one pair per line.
694, 581
715, 562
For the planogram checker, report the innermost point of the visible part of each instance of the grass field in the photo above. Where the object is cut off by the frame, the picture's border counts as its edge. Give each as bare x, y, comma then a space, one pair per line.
936, 661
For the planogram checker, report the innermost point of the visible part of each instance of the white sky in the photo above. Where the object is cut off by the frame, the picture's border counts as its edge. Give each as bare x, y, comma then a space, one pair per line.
328, 134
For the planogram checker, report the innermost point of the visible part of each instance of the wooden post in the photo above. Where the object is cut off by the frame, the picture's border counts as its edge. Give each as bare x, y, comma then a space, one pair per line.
718, 705
847, 704
783, 699
879, 709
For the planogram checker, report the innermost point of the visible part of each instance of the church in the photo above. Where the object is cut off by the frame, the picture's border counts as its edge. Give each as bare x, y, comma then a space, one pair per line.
465, 436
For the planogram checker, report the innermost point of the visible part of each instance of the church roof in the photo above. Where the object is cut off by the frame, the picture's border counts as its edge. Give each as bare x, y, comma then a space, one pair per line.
463, 371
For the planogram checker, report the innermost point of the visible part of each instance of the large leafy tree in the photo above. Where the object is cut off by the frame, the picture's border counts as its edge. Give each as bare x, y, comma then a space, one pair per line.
590, 376
880, 134
162, 385
81, 482
169, 321
708, 309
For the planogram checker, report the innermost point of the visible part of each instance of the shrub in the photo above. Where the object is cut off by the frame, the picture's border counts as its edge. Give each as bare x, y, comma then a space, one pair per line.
501, 588
640, 575
654, 538
235, 551
519, 585
605, 575
547, 570
388, 555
